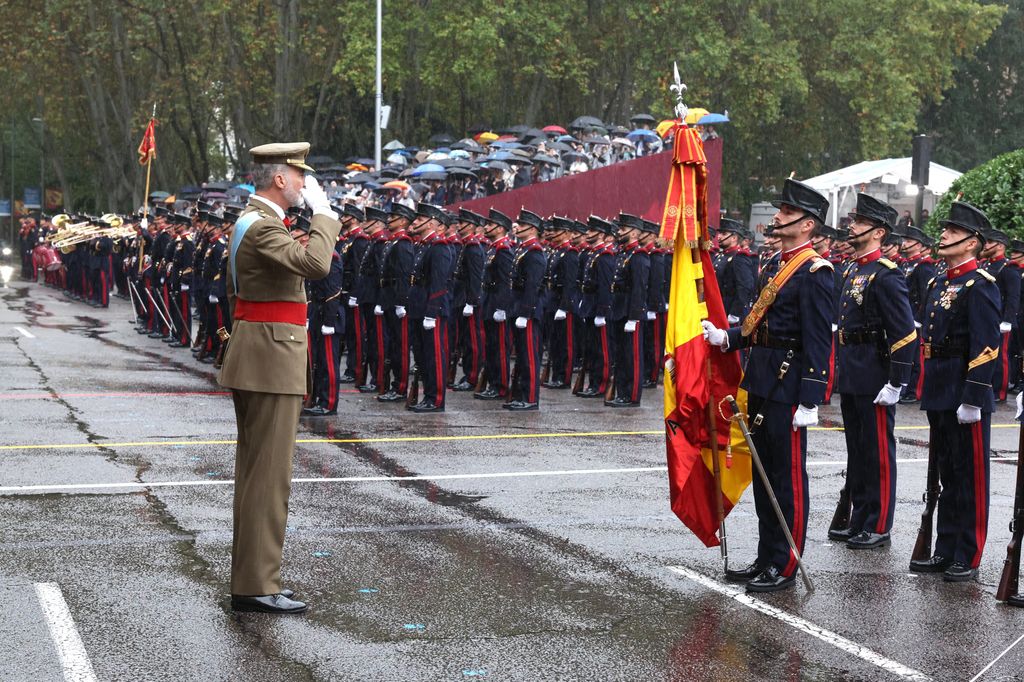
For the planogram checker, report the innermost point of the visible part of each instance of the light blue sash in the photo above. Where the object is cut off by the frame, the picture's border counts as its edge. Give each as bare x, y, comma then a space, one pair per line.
241, 227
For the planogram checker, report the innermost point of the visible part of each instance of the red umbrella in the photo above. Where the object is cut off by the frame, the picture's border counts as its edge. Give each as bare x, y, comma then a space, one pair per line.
555, 129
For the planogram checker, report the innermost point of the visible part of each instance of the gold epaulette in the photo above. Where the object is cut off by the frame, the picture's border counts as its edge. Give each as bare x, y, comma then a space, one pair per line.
887, 263
987, 275
819, 263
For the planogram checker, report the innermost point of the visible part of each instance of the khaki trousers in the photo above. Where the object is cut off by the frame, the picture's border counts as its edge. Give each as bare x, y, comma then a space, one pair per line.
267, 423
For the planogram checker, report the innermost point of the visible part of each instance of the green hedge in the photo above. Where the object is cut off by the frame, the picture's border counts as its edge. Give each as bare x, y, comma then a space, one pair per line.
997, 188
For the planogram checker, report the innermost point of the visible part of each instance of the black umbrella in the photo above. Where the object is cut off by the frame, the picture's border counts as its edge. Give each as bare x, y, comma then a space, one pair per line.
460, 173
596, 139
497, 165
572, 157
432, 175
454, 163
442, 138
584, 121
469, 145
514, 130
618, 131
558, 146
550, 160
390, 171
218, 186
319, 161
599, 130
642, 118
360, 178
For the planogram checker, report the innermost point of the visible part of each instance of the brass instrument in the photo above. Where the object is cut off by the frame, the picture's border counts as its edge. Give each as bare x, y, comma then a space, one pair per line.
69, 235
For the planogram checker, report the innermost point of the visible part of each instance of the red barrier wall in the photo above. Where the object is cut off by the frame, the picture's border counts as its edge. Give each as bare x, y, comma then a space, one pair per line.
637, 187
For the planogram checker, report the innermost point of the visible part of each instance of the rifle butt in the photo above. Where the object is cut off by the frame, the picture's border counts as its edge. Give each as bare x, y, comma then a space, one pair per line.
841, 516
923, 544
1008, 581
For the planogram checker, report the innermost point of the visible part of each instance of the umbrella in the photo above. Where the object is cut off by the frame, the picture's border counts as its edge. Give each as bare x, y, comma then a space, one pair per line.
432, 175
461, 173
390, 172
486, 137
318, 161
695, 114
428, 168
393, 145
163, 195
214, 196
242, 192
666, 126
359, 179
398, 160
618, 131
533, 132
623, 141
642, 134
558, 146
542, 158
567, 138
642, 118
555, 129
460, 154
584, 121
496, 165
247, 187
216, 186
419, 188
600, 130
710, 119
469, 145
572, 157
357, 167
595, 139
437, 156
455, 163
514, 130
442, 138
396, 184
532, 140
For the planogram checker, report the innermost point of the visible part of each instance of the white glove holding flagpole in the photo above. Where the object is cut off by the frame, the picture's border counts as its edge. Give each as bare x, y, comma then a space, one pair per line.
714, 335
1020, 406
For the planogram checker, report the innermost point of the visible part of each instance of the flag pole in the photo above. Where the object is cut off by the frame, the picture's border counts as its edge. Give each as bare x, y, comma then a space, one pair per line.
149, 169
681, 110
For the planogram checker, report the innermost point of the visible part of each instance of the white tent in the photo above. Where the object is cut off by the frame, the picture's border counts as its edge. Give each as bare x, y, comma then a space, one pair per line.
885, 179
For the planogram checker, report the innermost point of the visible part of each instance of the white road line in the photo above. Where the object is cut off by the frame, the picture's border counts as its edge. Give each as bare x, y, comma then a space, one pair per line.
26, 333
1005, 651
74, 661
346, 479
806, 626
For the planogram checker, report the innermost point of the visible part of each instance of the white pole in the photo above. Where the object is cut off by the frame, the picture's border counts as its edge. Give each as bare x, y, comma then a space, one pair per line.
380, 96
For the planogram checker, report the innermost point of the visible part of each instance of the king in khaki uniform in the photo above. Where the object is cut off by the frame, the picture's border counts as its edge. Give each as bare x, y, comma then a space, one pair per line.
265, 364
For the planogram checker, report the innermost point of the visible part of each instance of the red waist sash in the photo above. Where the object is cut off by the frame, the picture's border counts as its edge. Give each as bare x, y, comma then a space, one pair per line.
270, 311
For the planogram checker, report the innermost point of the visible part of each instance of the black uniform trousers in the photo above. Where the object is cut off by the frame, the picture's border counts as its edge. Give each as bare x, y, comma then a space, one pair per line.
562, 348
355, 341
430, 350
783, 453
326, 349
396, 337
962, 452
629, 361
470, 335
1001, 375
598, 361
375, 344
870, 462
527, 374
497, 361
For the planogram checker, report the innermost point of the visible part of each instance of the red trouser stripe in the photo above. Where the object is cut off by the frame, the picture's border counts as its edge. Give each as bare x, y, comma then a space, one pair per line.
380, 349
920, 371
533, 362
1004, 357
569, 354
980, 516
604, 354
104, 293
796, 480
439, 377
332, 379
502, 359
403, 378
831, 369
474, 349
358, 319
186, 334
658, 352
882, 433
635, 395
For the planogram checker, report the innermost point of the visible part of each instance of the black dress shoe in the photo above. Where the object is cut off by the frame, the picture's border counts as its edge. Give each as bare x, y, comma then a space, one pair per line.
867, 540
520, 406
287, 594
177, 344
841, 534
908, 400
555, 385
462, 386
590, 393
770, 580
489, 394
156, 335
958, 573
935, 564
319, 411
742, 575
207, 359
347, 378
1015, 600
142, 331
390, 397
368, 388
271, 603
649, 384
169, 339
620, 402
427, 406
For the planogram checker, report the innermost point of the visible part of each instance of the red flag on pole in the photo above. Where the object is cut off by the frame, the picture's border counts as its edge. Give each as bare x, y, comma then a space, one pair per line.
147, 148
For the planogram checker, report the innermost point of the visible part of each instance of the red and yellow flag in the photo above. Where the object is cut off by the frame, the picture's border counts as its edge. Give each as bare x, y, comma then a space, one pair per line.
147, 148
688, 387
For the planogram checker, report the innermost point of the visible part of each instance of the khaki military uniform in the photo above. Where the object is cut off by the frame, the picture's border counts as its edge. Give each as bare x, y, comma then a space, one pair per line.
265, 366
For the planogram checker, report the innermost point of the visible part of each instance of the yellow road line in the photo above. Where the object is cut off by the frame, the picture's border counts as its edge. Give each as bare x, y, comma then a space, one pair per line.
399, 439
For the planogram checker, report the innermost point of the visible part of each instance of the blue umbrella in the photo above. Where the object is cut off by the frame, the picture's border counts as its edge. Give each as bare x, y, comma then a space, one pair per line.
641, 133
709, 119
247, 187
428, 168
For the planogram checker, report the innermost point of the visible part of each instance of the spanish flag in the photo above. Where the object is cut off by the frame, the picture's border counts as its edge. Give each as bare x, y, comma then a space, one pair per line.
147, 148
688, 387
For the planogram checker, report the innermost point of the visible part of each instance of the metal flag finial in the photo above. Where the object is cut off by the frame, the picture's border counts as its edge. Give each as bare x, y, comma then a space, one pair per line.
679, 88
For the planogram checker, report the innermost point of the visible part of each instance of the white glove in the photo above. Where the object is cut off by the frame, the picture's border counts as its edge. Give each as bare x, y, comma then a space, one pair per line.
917, 325
213, 299
889, 395
651, 316
315, 197
835, 328
185, 287
499, 315
352, 302
144, 224
665, 308
521, 323
399, 311
968, 414
629, 327
559, 315
377, 310
805, 416
467, 310
732, 320
326, 331
600, 321
714, 335
429, 323
1020, 406
1005, 327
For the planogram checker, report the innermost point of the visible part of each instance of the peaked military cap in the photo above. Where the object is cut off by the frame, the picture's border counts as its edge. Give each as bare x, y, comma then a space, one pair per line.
374, 213
580, 226
402, 211
499, 218
917, 234
433, 212
558, 223
601, 225
827, 231
997, 236
967, 217
353, 211
467, 216
630, 221
288, 153
161, 211
530, 218
650, 226
803, 197
728, 225
1016, 246
876, 211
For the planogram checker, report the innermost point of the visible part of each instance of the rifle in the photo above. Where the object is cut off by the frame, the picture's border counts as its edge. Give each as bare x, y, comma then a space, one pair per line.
609, 391
841, 517
224, 337
412, 394
923, 546
382, 386
1011, 565
545, 374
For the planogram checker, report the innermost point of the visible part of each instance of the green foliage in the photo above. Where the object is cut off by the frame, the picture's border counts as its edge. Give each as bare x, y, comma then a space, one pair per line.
997, 188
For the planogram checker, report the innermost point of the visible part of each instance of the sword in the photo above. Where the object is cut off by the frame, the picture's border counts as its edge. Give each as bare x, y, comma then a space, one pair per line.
156, 307
131, 293
739, 418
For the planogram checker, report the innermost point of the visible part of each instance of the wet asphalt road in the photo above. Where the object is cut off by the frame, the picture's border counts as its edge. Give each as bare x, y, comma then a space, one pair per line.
554, 576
